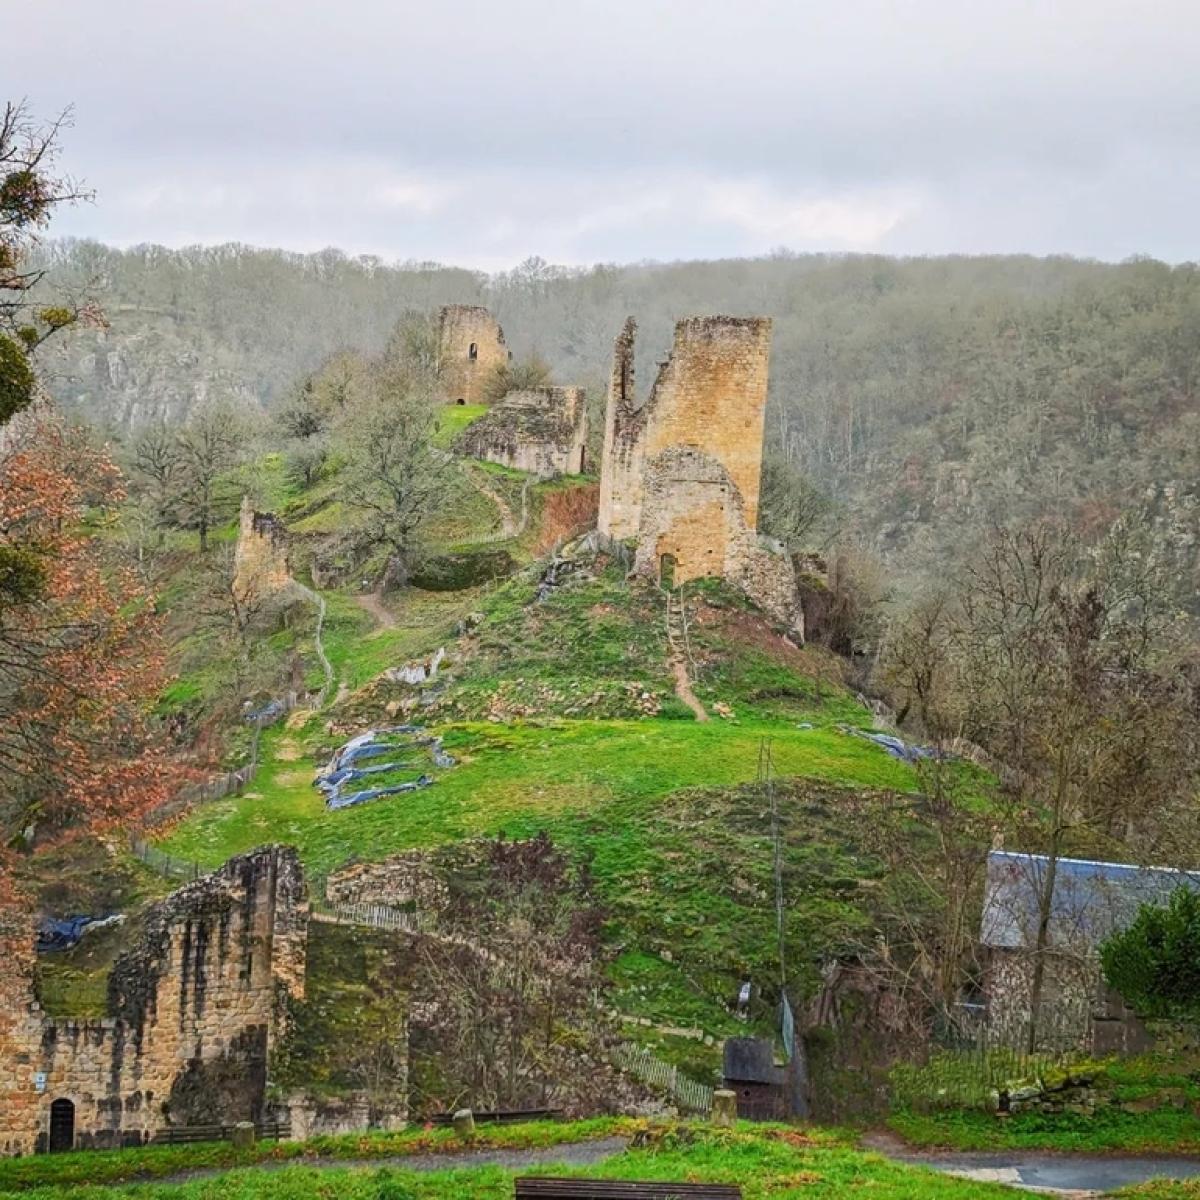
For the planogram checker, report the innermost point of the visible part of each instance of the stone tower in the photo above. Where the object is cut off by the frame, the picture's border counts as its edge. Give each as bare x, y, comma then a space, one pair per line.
261, 565
470, 347
681, 472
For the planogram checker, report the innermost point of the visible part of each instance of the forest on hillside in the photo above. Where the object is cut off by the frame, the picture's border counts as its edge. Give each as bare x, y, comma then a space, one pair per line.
925, 398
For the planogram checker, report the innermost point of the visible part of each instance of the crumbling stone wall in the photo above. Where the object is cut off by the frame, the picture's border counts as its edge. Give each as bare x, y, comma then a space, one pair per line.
261, 563
194, 1010
470, 347
681, 473
401, 880
539, 430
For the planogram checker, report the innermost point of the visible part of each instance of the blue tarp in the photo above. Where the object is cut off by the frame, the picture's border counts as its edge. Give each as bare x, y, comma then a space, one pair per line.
898, 748
377, 743
61, 933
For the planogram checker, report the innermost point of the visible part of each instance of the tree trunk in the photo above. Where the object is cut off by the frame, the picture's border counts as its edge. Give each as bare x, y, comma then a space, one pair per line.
1045, 907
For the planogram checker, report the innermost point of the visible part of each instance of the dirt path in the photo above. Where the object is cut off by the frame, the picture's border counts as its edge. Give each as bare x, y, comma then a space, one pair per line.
510, 524
677, 639
569, 1154
683, 689
372, 602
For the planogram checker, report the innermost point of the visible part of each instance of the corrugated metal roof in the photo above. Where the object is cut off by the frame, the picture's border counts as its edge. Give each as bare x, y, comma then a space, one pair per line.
1091, 899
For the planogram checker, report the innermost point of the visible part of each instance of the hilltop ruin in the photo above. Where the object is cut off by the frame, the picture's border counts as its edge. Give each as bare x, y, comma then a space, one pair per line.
680, 473
470, 347
540, 430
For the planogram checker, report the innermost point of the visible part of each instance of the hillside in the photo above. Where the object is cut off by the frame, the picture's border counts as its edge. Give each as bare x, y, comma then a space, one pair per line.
556, 701
925, 397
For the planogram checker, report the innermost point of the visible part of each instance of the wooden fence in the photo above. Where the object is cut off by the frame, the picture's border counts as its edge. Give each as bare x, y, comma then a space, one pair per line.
167, 864
172, 1135
377, 916
691, 1095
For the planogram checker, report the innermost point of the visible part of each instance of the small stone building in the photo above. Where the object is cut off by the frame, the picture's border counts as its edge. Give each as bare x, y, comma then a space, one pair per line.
261, 560
760, 1086
470, 347
539, 430
1089, 902
194, 1010
680, 473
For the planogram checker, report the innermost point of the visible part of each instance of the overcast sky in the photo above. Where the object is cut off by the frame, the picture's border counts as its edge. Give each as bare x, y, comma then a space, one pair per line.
480, 132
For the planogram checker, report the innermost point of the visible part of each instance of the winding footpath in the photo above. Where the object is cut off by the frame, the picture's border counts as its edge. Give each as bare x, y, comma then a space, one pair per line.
567, 1154
326, 666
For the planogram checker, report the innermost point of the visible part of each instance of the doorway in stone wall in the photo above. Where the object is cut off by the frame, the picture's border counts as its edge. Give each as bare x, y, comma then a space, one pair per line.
62, 1126
666, 571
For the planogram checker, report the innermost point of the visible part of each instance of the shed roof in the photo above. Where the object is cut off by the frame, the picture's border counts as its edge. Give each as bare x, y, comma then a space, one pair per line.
1091, 900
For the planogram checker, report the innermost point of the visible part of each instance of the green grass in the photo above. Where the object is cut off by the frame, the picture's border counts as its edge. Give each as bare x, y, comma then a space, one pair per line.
453, 419
1164, 1130
763, 1160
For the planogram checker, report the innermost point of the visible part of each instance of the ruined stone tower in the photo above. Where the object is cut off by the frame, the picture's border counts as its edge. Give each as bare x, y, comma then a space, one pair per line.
470, 347
195, 1008
260, 561
681, 472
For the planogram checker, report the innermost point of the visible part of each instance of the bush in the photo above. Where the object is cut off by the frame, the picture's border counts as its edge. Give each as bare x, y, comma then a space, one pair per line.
456, 572
1155, 963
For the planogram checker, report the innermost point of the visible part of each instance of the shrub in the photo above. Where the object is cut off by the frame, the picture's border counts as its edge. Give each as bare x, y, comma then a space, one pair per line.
1155, 963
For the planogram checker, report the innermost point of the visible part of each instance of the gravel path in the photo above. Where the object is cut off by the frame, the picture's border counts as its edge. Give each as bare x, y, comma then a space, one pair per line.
1062, 1174
568, 1154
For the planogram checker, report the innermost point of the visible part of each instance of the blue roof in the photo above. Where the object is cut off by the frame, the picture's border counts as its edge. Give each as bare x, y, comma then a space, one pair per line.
1091, 899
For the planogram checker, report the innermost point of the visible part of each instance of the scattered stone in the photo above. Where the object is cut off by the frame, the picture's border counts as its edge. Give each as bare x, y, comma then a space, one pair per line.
724, 1108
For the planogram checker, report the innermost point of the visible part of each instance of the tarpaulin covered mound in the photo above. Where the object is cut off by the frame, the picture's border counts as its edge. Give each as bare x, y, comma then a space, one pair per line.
382, 762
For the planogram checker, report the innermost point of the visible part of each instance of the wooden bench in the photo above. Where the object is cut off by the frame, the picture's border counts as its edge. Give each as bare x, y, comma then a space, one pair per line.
622, 1189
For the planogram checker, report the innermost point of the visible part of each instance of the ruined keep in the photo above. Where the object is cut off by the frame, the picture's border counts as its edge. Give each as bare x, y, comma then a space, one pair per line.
261, 564
470, 348
680, 473
195, 1009
539, 430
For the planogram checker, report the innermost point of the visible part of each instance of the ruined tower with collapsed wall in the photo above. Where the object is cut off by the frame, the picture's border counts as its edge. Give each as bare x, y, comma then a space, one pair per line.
539, 430
261, 560
195, 1009
470, 347
681, 472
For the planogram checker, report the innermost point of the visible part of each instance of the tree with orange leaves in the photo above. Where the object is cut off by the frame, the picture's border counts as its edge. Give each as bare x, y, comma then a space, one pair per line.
82, 657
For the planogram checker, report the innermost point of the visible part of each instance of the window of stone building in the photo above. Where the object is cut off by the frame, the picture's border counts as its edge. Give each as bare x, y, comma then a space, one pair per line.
473, 352
62, 1126
460, 400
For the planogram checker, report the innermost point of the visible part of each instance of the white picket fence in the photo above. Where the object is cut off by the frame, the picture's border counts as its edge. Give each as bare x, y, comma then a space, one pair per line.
691, 1095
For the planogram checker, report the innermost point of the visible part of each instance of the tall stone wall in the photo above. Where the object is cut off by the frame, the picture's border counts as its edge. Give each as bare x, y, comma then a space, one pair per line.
681, 473
539, 430
194, 1010
470, 347
261, 562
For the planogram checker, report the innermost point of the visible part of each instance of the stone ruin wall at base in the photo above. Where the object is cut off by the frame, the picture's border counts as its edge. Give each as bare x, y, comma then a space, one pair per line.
196, 1008
539, 430
462, 371
681, 473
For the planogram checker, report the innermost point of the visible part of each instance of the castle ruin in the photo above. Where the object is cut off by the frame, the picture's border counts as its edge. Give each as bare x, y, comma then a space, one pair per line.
195, 1009
261, 562
539, 430
680, 473
470, 348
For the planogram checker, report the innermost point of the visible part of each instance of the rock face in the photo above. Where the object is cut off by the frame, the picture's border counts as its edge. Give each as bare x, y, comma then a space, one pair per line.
681, 473
539, 430
195, 1009
261, 564
470, 348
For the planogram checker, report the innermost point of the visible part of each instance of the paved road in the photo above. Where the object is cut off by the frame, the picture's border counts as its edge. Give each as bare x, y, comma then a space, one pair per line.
1086, 1173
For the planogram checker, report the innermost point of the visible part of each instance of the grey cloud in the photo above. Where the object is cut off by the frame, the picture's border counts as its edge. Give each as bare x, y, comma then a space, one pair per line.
481, 132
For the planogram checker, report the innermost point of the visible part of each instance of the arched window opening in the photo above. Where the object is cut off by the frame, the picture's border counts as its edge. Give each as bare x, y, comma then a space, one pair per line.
473, 352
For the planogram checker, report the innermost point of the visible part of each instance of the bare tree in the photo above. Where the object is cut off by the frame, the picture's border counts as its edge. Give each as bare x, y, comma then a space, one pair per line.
395, 475
209, 446
1064, 664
